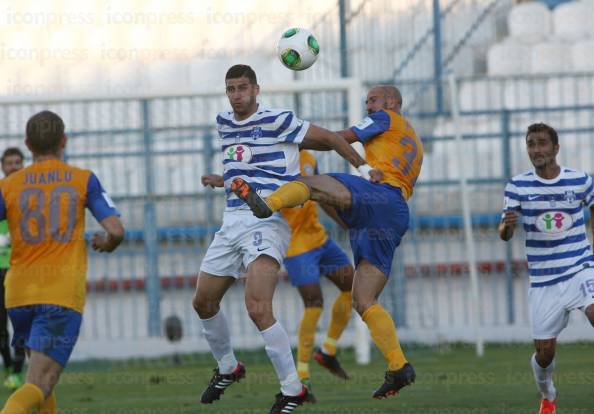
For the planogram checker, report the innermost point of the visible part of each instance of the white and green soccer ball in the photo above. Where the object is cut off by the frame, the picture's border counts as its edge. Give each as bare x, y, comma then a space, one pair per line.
298, 48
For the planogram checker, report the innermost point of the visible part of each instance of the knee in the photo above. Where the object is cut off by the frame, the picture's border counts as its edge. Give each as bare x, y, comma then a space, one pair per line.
45, 381
205, 308
259, 311
313, 301
544, 356
305, 180
48, 386
590, 314
361, 304
344, 282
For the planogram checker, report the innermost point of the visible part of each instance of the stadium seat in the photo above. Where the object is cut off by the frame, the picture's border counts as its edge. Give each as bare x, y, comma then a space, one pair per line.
530, 22
550, 56
582, 57
573, 21
509, 57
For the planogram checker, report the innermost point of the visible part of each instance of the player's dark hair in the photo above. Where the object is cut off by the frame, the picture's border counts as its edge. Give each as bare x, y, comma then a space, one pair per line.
8, 152
238, 71
44, 132
542, 127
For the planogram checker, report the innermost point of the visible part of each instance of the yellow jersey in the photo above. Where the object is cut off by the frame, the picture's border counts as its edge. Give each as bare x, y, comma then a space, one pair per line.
391, 146
45, 208
307, 233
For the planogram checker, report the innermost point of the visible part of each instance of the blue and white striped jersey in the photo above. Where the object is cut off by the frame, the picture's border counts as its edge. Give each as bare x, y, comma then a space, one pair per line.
262, 149
553, 217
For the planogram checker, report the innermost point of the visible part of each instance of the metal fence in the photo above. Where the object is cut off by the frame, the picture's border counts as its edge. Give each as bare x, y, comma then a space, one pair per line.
495, 115
149, 153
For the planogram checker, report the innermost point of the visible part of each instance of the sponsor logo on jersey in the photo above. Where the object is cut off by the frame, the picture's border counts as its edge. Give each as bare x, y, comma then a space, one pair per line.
241, 153
554, 222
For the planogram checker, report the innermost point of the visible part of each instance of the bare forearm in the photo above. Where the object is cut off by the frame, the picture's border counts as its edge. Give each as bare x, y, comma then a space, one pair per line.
318, 145
321, 139
315, 145
345, 150
115, 232
505, 232
348, 134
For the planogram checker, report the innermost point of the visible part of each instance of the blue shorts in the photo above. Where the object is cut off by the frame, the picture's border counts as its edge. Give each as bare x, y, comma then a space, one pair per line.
377, 220
308, 267
49, 329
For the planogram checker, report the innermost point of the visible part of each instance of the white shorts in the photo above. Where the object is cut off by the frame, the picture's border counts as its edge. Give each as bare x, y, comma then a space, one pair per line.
550, 305
241, 239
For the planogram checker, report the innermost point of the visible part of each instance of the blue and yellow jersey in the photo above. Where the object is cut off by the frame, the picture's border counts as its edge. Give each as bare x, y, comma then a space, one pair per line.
307, 233
391, 145
45, 207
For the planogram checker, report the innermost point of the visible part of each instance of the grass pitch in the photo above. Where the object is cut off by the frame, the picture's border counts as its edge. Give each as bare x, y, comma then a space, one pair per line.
449, 380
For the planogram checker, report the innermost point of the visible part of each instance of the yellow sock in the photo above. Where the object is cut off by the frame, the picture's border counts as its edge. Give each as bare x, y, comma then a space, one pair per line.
25, 400
49, 406
341, 315
382, 329
303, 370
307, 333
292, 194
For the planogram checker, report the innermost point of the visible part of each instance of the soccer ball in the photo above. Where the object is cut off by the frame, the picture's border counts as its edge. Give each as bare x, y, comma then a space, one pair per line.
298, 49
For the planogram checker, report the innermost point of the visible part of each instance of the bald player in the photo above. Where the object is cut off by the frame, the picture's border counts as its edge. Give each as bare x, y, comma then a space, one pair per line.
374, 207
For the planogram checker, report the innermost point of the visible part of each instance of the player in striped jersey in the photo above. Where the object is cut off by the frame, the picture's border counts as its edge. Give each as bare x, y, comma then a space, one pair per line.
551, 201
374, 207
260, 144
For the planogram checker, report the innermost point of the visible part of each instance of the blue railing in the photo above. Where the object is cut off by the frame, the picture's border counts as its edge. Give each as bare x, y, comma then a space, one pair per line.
151, 162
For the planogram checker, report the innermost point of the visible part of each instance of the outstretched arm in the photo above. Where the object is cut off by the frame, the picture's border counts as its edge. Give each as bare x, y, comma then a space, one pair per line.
349, 135
318, 145
321, 139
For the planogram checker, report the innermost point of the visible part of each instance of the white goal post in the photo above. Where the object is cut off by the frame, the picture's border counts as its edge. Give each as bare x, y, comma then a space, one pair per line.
466, 214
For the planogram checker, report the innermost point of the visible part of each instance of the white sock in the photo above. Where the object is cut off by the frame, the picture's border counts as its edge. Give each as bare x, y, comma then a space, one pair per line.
278, 349
544, 379
217, 334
